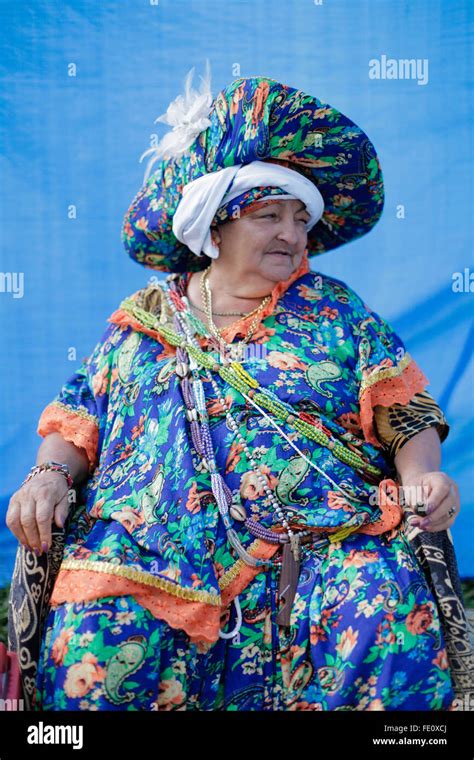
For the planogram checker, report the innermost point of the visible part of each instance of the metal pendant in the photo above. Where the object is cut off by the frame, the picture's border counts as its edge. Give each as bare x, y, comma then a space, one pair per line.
290, 570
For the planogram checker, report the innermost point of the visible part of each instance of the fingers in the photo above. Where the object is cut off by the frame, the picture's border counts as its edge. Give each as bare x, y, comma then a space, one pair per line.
440, 489
415, 495
44, 513
438, 517
13, 520
28, 524
61, 511
31, 511
441, 513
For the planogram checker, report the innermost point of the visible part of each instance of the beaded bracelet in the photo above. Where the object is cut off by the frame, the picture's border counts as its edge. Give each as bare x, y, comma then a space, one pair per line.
54, 466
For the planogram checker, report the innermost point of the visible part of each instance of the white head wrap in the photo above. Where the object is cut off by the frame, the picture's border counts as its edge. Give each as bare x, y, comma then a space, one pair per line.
203, 196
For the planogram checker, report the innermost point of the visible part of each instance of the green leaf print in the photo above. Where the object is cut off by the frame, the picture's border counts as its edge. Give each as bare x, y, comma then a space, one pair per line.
345, 351
169, 459
131, 685
185, 522
350, 574
105, 652
406, 639
373, 168
154, 639
62, 700
163, 429
375, 653
408, 604
167, 673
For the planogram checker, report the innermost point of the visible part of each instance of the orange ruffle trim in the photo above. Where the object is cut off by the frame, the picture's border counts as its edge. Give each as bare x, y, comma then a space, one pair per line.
389, 504
121, 317
243, 325
77, 427
199, 620
196, 618
388, 391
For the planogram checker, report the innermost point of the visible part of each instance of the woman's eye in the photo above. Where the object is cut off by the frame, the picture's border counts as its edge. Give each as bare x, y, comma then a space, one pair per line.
264, 216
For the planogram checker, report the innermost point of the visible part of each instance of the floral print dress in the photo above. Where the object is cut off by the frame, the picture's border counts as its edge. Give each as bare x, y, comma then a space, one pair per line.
148, 579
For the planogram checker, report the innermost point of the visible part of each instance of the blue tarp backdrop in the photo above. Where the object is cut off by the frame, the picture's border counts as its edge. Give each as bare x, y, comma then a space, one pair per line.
82, 83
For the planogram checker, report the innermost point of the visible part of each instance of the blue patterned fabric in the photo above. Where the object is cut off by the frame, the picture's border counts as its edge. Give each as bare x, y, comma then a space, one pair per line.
365, 631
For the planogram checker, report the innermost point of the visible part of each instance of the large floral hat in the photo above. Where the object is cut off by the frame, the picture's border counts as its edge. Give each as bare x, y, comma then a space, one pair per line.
254, 119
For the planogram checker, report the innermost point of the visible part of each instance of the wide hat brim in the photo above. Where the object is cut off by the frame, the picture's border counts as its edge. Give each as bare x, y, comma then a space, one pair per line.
257, 118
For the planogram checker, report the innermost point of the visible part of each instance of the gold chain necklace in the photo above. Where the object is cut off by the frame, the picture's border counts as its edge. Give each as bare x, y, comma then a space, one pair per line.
221, 313
206, 296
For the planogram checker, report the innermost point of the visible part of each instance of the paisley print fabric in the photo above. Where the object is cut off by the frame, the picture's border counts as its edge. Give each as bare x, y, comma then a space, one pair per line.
364, 635
146, 531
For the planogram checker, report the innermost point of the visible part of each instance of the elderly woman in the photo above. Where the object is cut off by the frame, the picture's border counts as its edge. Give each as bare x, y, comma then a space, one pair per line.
254, 458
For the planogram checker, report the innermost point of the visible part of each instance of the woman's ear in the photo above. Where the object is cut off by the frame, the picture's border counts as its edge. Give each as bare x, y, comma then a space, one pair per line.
215, 236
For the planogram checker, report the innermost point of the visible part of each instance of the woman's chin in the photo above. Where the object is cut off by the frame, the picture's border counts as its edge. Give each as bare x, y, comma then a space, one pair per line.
278, 267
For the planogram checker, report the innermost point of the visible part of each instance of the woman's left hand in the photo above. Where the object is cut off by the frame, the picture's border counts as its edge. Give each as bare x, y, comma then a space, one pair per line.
441, 494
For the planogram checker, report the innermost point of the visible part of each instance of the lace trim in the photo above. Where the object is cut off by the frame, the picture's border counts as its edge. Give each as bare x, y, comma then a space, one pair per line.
75, 425
387, 386
196, 612
146, 579
242, 326
389, 504
123, 318
199, 620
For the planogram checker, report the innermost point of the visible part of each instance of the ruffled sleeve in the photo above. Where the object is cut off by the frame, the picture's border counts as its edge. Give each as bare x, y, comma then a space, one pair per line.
386, 372
79, 410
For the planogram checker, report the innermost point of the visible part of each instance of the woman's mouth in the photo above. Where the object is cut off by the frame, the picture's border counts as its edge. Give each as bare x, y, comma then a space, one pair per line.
282, 254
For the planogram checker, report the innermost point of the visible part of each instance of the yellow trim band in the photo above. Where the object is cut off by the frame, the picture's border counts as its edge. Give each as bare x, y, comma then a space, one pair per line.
141, 577
386, 372
80, 412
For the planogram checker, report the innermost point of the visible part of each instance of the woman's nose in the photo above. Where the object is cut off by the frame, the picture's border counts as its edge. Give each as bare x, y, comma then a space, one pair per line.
289, 232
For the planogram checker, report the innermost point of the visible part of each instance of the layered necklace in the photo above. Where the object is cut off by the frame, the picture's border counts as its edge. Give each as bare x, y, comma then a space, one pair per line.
229, 505
234, 351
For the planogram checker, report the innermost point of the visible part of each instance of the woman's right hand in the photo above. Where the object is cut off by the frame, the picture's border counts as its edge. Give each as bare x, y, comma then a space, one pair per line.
33, 507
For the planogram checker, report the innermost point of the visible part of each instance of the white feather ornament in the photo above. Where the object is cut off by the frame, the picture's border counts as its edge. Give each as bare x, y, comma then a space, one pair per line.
187, 115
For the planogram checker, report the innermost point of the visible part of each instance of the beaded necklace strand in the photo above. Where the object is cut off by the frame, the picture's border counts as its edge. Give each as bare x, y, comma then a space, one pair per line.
222, 313
233, 425
291, 556
194, 398
239, 378
187, 354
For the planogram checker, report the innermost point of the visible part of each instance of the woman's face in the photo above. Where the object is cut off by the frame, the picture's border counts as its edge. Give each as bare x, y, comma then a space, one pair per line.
249, 245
